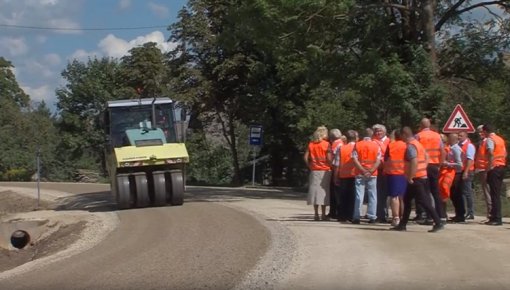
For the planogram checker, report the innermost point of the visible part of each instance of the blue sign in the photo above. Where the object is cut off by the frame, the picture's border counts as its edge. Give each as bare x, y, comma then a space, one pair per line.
256, 135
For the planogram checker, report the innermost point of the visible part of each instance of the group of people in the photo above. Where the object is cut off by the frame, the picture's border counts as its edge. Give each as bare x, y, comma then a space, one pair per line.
427, 167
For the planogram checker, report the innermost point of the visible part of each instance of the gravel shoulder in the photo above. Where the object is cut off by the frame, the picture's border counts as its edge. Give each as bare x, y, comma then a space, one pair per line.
330, 255
55, 232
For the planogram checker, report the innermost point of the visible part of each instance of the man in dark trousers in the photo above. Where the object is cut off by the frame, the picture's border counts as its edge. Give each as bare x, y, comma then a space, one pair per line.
434, 147
416, 160
496, 161
344, 177
336, 142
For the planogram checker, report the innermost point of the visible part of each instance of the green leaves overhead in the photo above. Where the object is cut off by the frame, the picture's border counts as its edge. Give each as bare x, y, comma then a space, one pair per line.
9, 88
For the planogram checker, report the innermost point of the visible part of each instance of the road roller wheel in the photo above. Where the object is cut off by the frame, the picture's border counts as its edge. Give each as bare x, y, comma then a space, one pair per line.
142, 190
177, 182
160, 188
123, 192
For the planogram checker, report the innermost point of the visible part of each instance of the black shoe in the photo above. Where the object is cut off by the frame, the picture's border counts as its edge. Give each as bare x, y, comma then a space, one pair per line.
456, 220
372, 221
470, 217
494, 223
436, 228
342, 220
356, 222
399, 228
427, 222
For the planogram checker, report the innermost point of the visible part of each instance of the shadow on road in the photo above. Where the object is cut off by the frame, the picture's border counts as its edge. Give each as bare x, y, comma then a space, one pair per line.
103, 201
198, 194
89, 201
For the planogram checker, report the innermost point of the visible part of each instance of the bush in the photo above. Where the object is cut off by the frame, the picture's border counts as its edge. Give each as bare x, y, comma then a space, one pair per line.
209, 163
17, 174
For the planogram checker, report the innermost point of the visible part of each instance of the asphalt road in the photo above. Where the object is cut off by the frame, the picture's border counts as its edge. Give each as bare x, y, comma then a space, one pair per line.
200, 245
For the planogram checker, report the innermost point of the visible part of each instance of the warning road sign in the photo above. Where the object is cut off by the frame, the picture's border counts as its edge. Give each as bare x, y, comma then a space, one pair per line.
458, 122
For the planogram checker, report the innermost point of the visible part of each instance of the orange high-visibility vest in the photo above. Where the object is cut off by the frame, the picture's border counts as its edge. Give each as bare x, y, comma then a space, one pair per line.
446, 177
481, 156
421, 169
346, 163
464, 156
367, 155
431, 141
337, 143
395, 164
318, 155
383, 145
499, 152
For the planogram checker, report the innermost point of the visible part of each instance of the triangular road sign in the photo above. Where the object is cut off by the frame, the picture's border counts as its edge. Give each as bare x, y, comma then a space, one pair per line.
458, 122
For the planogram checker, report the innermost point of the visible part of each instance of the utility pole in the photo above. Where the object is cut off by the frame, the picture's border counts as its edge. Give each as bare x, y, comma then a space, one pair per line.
38, 162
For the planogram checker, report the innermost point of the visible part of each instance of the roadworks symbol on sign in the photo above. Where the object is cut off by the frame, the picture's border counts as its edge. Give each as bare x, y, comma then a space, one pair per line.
458, 122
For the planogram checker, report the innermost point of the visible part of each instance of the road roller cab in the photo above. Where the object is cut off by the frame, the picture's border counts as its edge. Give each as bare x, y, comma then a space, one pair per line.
145, 160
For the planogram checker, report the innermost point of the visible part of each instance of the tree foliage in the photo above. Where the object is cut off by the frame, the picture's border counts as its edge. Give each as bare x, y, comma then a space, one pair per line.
289, 65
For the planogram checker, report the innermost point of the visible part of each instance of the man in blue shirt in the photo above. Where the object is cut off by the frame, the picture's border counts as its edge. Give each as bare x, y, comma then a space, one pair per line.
468, 159
456, 195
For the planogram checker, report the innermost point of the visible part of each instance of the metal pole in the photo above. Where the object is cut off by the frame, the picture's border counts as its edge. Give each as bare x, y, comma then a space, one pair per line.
253, 171
38, 177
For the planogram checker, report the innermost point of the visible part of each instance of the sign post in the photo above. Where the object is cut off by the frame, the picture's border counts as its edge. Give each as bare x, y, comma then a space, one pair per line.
255, 141
38, 164
458, 122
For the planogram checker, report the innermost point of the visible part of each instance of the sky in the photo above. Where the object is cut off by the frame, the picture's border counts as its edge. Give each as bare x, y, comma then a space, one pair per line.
40, 56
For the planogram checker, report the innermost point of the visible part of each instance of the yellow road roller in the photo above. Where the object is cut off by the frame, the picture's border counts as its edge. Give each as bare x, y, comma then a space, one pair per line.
145, 158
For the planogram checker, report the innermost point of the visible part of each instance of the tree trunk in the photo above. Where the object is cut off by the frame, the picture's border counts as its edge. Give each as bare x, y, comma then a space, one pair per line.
429, 30
236, 179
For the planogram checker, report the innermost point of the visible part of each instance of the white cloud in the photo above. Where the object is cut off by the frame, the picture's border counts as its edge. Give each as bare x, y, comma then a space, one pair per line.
65, 23
14, 45
82, 55
41, 93
124, 4
52, 59
159, 10
49, 2
41, 39
47, 13
117, 47
40, 70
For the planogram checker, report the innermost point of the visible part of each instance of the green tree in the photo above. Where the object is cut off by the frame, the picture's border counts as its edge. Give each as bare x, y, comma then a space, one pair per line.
89, 85
9, 87
145, 69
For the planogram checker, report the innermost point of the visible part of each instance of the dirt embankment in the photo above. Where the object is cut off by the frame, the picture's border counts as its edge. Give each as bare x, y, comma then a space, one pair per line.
13, 203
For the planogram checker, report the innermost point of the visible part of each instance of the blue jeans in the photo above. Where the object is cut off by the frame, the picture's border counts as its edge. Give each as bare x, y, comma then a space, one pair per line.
370, 185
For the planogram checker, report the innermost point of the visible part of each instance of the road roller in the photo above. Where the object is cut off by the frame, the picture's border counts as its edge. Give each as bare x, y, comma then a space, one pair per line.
145, 158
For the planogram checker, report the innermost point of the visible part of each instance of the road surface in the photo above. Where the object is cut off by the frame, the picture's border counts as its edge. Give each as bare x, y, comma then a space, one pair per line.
196, 246
320, 255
